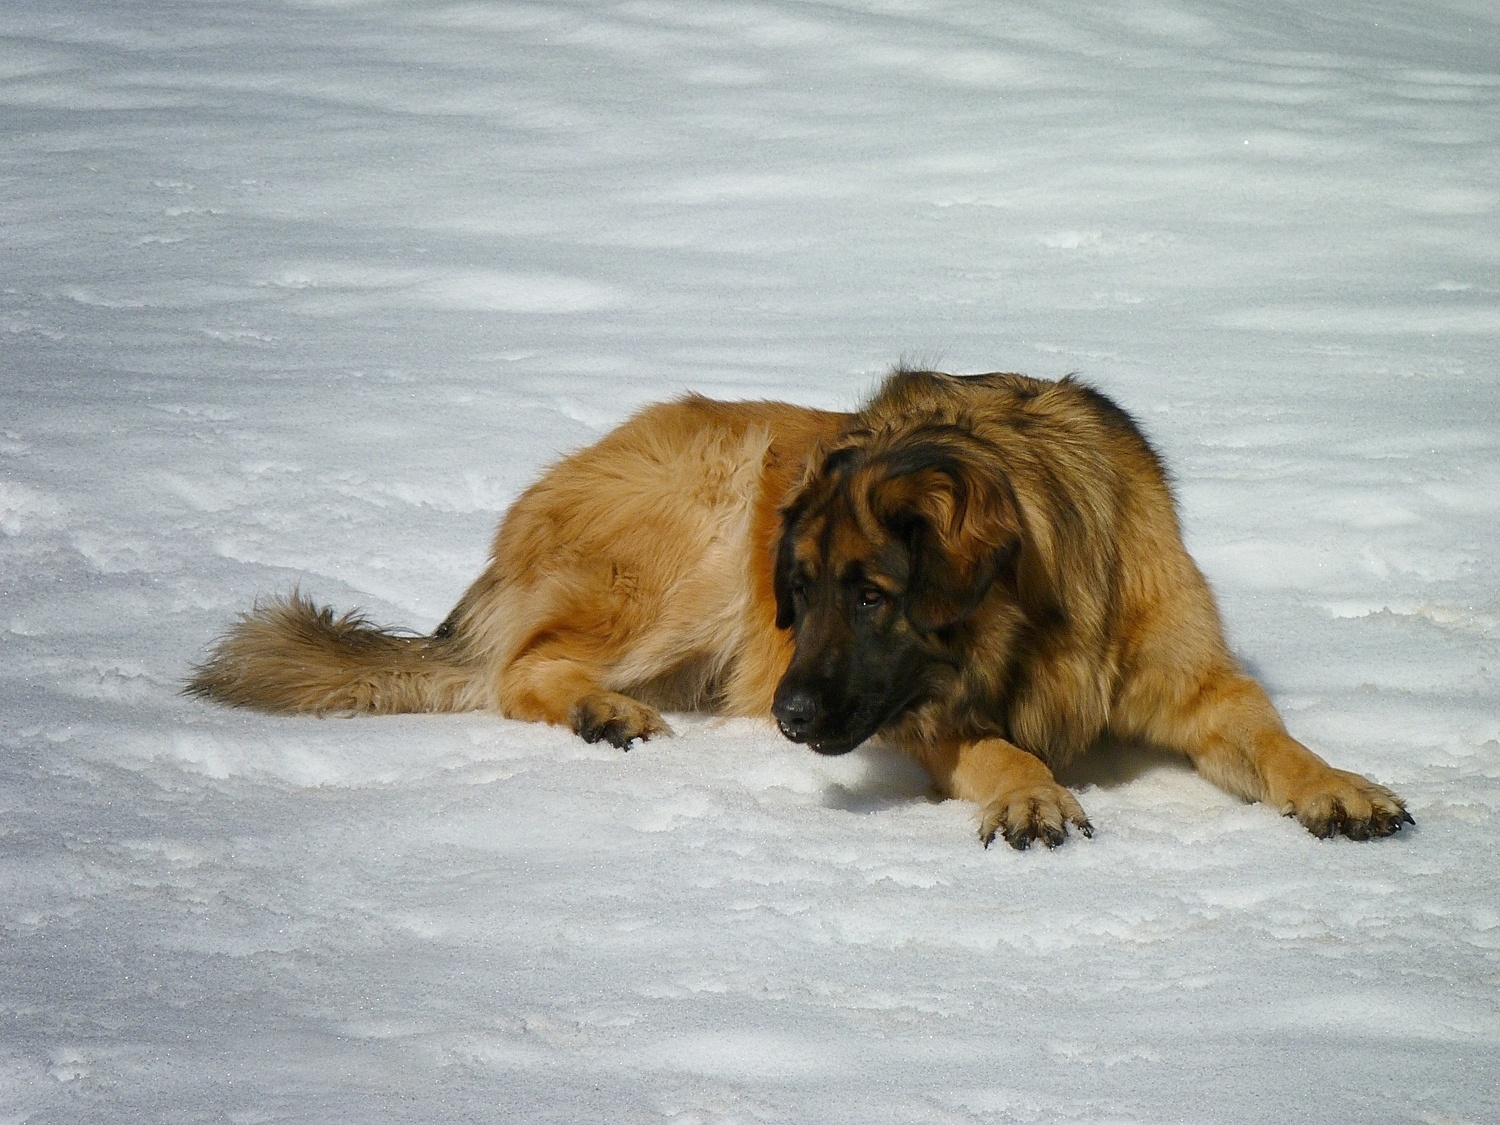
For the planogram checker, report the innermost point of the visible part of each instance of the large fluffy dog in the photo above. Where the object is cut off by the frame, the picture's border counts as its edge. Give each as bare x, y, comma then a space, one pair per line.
985, 571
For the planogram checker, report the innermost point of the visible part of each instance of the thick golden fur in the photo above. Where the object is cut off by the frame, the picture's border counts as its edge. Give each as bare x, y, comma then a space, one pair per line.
1017, 538
635, 573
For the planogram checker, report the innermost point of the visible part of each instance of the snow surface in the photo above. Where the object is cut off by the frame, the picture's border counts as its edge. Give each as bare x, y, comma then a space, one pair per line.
305, 293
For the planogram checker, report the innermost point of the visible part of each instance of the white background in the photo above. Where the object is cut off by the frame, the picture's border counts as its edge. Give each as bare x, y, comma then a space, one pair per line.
306, 293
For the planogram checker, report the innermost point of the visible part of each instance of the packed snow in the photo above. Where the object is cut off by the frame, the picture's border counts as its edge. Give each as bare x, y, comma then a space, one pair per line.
304, 294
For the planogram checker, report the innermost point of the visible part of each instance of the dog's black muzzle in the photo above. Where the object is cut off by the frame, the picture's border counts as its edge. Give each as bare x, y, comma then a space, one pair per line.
803, 718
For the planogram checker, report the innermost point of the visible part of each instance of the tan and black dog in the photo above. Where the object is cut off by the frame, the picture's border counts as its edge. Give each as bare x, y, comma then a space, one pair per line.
985, 571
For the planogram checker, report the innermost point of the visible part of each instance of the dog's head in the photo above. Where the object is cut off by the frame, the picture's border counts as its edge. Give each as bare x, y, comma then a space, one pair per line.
893, 543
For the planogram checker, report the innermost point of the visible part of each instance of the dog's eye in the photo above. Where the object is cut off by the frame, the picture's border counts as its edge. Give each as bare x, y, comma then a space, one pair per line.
870, 597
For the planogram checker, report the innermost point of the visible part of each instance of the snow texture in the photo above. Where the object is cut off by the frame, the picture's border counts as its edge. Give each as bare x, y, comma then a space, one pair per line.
305, 293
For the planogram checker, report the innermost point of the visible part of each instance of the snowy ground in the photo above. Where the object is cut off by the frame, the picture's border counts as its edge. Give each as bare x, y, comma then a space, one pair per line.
305, 293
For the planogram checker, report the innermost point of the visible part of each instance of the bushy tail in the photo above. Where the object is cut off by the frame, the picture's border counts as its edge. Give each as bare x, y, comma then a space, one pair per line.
289, 655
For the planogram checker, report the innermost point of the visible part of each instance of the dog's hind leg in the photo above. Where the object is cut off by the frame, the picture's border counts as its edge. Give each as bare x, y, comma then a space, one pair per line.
554, 682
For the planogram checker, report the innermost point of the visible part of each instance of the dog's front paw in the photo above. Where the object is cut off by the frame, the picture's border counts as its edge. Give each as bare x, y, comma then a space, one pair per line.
608, 716
1035, 812
1339, 803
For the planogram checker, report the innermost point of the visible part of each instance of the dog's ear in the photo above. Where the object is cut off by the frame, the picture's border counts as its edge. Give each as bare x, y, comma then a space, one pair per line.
962, 527
824, 469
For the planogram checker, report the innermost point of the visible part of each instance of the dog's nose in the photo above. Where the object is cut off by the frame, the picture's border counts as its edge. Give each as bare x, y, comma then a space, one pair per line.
795, 712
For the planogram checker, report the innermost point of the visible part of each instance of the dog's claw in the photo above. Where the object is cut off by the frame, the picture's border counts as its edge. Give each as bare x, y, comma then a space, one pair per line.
1362, 812
605, 730
1348, 805
612, 732
615, 719
1025, 820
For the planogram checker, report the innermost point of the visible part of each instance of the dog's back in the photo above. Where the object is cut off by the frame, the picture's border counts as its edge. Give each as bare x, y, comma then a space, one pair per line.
639, 564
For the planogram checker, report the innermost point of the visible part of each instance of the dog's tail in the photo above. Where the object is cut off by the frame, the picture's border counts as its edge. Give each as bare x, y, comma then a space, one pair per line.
289, 655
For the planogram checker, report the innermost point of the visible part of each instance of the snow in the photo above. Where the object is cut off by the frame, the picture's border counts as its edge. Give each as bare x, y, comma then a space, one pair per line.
305, 293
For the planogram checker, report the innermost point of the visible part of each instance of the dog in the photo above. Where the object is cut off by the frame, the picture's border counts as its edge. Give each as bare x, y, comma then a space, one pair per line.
984, 571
